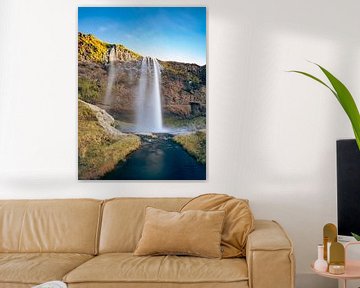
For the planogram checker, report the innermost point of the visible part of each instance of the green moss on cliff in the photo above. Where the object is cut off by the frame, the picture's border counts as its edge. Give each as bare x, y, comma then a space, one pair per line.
194, 144
195, 123
88, 90
122, 49
99, 152
175, 68
190, 74
92, 49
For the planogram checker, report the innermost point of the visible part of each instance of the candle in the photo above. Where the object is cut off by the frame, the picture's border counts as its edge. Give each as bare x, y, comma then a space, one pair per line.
336, 269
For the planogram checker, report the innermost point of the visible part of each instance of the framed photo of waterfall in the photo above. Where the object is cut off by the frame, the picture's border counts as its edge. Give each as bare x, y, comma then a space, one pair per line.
142, 93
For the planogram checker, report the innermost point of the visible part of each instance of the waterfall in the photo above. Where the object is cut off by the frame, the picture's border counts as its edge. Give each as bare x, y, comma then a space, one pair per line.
111, 76
140, 97
148, 98
157, 96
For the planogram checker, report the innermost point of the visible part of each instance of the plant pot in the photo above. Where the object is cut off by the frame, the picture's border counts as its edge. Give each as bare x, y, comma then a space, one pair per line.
348, 187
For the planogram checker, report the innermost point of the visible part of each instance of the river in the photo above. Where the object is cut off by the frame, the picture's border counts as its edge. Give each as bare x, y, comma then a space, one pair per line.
158, 158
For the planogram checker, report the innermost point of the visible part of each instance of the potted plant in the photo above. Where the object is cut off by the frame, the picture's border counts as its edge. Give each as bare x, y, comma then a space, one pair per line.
343, 95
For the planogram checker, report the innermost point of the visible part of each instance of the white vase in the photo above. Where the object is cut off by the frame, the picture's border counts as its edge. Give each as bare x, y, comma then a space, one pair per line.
320, 264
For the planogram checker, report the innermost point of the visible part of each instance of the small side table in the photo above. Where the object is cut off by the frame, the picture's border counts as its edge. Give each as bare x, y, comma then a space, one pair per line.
352, 269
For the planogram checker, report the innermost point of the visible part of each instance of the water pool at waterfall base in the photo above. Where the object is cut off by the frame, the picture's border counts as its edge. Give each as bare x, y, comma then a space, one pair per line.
158, 158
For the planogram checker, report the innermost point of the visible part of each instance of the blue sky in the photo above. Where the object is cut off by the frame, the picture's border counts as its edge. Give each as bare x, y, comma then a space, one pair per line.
167, 33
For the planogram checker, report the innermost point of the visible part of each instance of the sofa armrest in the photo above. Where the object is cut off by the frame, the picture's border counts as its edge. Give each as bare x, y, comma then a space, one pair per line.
269, 256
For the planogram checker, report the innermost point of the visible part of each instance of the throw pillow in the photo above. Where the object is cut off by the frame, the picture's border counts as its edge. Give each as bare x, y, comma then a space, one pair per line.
196, 233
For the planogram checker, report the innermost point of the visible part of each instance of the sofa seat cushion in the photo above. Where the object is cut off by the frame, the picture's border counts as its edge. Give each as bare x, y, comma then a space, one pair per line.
36, 268
242, 284
125, 267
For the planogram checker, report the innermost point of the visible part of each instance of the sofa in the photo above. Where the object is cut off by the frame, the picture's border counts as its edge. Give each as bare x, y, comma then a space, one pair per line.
90, 243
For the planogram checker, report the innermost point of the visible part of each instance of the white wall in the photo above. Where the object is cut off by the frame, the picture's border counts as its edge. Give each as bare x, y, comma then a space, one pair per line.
271, 134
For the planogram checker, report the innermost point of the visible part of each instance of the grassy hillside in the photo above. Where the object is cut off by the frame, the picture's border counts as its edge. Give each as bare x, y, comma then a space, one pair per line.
92, 49
194, 144
98, 151
89, 90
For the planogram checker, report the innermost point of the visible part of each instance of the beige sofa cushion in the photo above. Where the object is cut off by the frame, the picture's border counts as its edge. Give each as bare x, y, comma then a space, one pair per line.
15, 285
193, 232
64, 226
36, 268
123, 220
237, 284
125, 268
239, 220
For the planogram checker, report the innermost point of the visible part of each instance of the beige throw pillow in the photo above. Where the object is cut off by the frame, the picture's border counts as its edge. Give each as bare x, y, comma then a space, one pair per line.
239, 220
194, 232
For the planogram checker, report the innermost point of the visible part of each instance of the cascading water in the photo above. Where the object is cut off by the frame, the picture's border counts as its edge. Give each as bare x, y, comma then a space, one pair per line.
148, 102
111, 77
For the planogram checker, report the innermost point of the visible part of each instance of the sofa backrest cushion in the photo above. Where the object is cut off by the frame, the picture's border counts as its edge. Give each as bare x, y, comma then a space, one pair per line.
239, 220
123, 220
64, 226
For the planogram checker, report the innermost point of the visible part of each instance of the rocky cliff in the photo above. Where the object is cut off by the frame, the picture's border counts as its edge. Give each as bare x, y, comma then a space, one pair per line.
183, 85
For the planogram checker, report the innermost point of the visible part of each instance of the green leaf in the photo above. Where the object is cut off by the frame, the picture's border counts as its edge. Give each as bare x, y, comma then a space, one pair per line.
356, 236
316, 79
344, 97
346, 100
